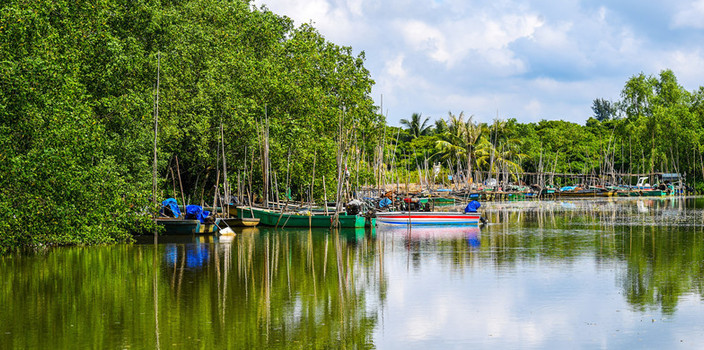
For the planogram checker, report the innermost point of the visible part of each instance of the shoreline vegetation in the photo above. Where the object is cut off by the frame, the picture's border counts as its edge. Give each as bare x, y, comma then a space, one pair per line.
290, 111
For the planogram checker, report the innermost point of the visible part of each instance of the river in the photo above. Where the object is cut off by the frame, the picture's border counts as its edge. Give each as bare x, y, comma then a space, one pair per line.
613, 273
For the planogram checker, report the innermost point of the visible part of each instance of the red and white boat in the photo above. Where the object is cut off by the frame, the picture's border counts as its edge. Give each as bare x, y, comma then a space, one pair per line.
426, 218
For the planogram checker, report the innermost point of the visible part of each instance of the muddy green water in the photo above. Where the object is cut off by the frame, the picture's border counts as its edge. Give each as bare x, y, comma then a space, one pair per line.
618, 273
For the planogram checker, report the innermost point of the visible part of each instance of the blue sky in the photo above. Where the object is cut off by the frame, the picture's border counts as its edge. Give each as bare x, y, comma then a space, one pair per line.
525, 60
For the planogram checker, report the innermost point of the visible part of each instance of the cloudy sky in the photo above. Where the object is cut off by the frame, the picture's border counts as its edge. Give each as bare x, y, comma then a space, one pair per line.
525, 60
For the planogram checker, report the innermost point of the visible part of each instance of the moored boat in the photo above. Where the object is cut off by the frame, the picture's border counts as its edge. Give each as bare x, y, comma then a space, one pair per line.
241, 222
269, 217
427, 218
574, 191
187, 227
437, 201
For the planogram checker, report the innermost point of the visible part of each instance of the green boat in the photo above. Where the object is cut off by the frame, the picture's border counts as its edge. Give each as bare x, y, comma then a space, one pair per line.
652, 192
439, 201
628, 193
277, 218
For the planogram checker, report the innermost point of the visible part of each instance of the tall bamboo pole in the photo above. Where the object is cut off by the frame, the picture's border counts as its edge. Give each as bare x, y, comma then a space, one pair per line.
325, 196
180, 184
217, 182
156, 131
312, 184
224, 170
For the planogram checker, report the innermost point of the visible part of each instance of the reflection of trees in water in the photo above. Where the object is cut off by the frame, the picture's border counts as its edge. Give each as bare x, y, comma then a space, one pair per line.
663, 264
295, 289
659, 239
289, 288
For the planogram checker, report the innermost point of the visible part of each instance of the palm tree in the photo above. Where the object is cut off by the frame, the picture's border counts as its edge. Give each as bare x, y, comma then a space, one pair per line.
460, 140
414, 127
440, 126
502, 153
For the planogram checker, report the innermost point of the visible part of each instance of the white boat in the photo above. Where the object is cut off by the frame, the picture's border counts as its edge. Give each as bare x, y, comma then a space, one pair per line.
426, 218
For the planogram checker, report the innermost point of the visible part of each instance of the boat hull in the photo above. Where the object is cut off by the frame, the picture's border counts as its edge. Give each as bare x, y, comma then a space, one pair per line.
186, 227
276, 218
426, 218
585, 194
241, 222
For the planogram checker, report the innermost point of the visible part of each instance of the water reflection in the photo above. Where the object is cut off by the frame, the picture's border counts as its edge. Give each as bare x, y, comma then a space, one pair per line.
658, 239
542, 274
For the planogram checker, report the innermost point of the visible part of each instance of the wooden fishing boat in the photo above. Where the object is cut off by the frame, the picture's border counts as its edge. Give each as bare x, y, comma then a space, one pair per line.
186, 227
437, 201
426, 218
591, 192
269, 217
628, 193
652, 192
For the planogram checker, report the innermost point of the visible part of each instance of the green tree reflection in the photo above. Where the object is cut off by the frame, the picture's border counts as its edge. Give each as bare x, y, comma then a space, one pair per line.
276, 289
660, 240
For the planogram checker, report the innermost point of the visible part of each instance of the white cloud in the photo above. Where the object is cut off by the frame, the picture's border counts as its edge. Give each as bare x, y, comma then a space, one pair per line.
534, 108
394, 67
555, 36
356, 7
691, 15
431, 56
686, 64
480, 37
424, 38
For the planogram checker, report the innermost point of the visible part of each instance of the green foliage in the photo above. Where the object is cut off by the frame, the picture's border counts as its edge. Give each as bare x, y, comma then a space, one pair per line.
661, 130
415, 127
78, 95
603, 109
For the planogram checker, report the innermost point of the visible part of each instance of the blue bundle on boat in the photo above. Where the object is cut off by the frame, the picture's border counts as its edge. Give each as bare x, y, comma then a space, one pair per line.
472, 207
169, 207
196, 212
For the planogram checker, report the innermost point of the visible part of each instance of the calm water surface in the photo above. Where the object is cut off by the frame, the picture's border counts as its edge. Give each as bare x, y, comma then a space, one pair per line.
619, 273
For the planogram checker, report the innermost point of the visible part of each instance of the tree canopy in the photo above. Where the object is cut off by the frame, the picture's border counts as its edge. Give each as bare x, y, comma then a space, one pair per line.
78, 99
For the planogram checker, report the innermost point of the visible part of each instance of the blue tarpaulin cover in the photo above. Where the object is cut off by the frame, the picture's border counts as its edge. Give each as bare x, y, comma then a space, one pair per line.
384, 202
172, 205
472, 207
196, 212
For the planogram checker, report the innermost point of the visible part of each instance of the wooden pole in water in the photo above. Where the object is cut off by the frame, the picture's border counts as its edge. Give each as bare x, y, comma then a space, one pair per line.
408, 180
239, 187
338, 196
288, 177
701, 161
540, 181
630, 162
356, 156
156, 130
312, 184
173, 181
325, 196
265, 158
224, 170
251, 174
694, 167
217, 183
275, 189
249, 180
180, 184
245, 177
